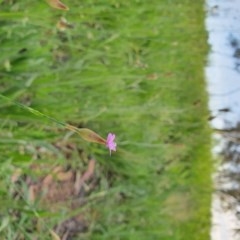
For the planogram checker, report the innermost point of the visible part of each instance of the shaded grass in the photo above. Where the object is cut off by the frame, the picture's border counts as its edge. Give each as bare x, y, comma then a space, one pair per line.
133, 68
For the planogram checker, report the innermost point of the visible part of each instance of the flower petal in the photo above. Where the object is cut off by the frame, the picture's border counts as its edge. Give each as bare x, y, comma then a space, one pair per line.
110, 142
111, 137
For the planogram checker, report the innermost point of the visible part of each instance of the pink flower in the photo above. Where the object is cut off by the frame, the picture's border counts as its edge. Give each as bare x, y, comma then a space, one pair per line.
110, 142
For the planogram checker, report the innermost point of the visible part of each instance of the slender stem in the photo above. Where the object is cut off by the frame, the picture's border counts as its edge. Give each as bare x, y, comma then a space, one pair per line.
33, 111
85, 133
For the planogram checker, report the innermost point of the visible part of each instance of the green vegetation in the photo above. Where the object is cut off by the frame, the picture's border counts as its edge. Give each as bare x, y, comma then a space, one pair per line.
134, 68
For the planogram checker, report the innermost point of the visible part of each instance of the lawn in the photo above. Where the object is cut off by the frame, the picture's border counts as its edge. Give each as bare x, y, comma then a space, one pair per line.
133, 68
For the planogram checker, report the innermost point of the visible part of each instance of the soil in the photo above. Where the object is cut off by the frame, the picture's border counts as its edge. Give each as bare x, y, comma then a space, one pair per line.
55, 187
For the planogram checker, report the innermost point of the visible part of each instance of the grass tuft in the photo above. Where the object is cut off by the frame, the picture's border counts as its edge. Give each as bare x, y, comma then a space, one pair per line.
133, 68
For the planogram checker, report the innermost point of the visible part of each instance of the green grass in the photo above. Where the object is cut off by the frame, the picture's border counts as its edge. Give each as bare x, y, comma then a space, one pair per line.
134, 68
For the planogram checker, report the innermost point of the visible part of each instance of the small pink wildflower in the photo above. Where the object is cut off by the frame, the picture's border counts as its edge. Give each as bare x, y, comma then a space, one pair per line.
110, 142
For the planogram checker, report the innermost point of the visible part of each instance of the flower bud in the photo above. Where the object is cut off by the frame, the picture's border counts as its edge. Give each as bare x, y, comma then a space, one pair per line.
57, 4
87, 134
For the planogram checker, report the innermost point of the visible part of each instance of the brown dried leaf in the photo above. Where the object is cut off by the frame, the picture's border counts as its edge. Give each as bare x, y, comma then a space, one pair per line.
32, 193
47, 180
16, 175
86, 176
58, 169
90, 170
65, 176
54, 235
63, 24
